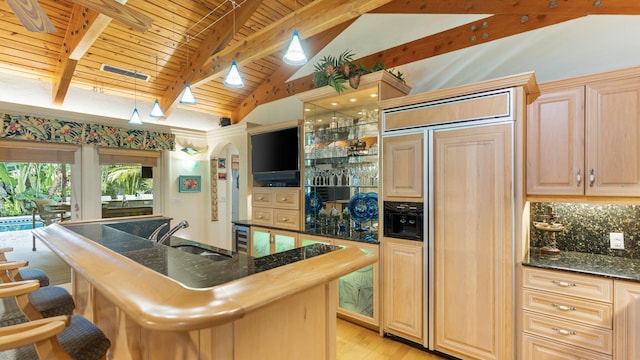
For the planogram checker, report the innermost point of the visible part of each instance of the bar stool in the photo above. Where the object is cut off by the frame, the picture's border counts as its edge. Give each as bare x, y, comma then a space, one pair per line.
60, 337
16, 273
36, 303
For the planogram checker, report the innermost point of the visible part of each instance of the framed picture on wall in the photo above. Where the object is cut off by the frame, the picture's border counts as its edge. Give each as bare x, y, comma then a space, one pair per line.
222, 176
189, 183
222, 163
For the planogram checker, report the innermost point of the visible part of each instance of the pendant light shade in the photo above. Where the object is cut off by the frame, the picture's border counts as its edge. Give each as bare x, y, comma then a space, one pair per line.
135, 117
295, 55
156, 111
233, 78
187, 96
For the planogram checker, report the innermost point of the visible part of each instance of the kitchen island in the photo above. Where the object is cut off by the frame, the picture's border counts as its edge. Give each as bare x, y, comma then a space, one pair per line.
158, 302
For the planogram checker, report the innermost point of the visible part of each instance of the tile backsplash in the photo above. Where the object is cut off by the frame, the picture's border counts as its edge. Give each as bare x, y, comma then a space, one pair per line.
587, 227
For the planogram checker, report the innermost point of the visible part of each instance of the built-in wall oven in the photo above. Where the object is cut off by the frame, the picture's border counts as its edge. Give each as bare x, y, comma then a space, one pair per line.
404, 220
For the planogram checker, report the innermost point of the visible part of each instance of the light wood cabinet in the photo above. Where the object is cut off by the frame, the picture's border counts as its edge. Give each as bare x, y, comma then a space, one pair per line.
269, 241
403, 168
359, 291
403, 288
585, 140
627, 320
278, 207
567, 314
613, 137
473, 243
555, 143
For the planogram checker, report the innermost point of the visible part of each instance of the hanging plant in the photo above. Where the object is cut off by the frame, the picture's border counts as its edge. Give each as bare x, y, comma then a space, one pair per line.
338, 71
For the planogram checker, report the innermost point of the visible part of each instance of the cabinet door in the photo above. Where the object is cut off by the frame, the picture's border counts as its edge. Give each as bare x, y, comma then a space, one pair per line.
473, 242
613, 137
269, 241
402, 290
260, 242
403, 169
283, 241
555, 144
627, 320
358, 292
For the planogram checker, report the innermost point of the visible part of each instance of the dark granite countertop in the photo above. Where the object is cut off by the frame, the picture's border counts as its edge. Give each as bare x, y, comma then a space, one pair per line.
190, 269
360, 236
585, 263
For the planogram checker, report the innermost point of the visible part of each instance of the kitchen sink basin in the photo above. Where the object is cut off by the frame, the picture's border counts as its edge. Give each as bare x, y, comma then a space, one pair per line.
209, 254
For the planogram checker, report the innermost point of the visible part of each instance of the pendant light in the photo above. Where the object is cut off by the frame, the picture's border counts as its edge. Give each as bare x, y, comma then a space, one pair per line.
233, 78
295, 54
156, 110
135, 116
187, 96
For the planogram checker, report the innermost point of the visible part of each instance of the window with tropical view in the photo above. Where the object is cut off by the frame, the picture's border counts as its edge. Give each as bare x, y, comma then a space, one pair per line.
126, 191
21, 183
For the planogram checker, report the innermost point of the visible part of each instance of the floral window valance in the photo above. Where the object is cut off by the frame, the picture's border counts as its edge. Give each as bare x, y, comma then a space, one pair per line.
25, 127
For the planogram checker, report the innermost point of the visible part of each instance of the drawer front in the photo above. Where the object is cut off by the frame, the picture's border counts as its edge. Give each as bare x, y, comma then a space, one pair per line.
287, 219
571, 333
286, 199
563, 283
535, 348
570, 308
262, 216
262, 197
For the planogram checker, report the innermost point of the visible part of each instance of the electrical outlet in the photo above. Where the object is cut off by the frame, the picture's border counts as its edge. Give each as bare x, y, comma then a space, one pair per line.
616, 240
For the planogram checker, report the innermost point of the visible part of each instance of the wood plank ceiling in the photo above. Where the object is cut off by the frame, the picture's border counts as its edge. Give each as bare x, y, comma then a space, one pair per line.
194, 41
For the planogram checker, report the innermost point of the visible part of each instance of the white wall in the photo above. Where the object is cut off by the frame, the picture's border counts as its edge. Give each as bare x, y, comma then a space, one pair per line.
190, 206
224, 142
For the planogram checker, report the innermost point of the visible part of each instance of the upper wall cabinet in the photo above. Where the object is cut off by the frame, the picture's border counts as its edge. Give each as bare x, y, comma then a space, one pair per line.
555, 143
403, 167
585, 140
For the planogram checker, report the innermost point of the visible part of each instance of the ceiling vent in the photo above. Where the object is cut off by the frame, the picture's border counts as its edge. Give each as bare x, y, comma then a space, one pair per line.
125, 72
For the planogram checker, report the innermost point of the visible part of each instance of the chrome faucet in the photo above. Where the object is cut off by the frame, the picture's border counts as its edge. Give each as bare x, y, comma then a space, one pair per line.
154, 234
182, 224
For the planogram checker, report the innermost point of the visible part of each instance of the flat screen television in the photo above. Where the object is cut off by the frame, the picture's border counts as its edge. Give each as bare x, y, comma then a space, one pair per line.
275, 157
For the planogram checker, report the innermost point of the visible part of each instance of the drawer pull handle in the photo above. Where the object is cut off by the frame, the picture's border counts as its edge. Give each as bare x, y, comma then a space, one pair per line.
259, 197
260, 216
564, 307
563, 283
285, 219
564, 331
284, 199
579, 177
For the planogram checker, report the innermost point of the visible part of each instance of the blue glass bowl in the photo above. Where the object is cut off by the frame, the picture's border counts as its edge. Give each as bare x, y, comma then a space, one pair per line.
358, 207
312, 203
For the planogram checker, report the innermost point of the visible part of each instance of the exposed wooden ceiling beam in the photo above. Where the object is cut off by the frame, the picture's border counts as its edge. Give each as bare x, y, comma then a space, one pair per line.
310, 20
119, 12
504, 7
498, 27
213, 41
270, 89
31, 15
85, 25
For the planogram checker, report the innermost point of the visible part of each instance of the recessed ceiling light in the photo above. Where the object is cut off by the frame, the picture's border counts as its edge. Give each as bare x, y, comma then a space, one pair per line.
353, 100
307, 109
373, 95
334, 104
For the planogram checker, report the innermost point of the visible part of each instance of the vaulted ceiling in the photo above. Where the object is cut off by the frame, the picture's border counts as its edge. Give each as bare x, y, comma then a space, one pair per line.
194, 41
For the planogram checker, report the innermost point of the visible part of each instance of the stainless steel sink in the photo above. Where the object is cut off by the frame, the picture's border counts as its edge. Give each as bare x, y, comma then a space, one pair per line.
192, 249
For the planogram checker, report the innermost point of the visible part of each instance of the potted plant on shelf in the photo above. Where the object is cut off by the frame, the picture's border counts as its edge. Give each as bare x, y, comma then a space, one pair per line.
338, 71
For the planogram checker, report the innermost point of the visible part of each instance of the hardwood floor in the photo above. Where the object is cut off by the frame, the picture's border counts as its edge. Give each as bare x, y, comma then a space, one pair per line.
356, 342
353, 341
